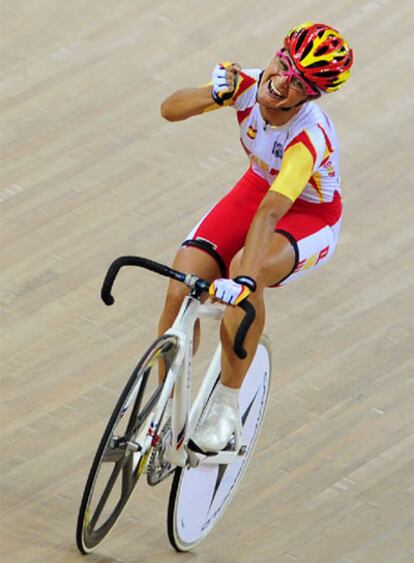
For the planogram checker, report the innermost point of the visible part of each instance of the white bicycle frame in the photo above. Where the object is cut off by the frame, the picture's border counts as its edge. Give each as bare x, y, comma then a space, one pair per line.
185, 415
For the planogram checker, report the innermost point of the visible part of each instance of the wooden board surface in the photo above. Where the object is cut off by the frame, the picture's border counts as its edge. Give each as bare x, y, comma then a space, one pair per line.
90, 171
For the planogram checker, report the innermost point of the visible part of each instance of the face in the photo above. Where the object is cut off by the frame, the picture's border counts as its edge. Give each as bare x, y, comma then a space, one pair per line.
282, 86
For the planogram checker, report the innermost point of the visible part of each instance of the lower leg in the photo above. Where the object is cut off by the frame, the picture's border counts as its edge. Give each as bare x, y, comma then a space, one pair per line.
187, 260
278, 264
223, 418
233, 369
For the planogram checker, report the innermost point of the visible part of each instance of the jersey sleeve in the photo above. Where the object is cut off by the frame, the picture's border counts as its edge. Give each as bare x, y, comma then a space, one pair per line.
246, 90
297, 166
302, 156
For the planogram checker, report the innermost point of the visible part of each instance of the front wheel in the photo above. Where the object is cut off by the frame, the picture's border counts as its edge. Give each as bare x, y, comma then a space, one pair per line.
121, 457
200, 495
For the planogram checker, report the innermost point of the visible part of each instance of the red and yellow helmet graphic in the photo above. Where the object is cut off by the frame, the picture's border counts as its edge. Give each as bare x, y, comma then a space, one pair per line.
320, 54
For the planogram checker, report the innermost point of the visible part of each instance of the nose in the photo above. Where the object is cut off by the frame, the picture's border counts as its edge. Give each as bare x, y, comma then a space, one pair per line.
288, 74
284, 81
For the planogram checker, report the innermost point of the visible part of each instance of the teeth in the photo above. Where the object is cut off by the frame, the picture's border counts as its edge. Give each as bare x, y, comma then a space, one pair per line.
274, 90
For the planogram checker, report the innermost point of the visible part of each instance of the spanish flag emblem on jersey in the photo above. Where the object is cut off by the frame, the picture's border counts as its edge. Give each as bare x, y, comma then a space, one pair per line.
251, 132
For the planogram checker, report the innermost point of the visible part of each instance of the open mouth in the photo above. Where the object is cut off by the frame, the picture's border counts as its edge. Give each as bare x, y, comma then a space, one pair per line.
274, 92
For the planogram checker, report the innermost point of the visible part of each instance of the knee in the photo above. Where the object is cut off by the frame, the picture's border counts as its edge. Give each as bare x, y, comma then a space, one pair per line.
262, 279
174, 297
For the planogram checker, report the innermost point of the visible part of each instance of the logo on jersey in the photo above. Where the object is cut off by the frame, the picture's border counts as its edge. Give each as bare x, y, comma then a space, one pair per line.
251, 132
328, 166
312, 260
277, 149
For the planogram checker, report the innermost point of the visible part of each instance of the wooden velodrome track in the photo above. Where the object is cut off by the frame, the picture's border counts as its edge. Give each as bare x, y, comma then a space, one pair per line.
90, 171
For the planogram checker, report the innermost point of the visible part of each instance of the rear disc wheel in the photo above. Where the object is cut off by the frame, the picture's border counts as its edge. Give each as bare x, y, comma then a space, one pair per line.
200, 495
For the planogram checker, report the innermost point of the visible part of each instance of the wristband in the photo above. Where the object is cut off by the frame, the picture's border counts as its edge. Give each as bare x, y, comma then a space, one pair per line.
216, 99
247, 281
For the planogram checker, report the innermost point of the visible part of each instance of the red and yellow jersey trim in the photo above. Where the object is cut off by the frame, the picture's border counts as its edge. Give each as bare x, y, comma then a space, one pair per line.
304, 138
243, 114
328, 148
316, 182
244, 82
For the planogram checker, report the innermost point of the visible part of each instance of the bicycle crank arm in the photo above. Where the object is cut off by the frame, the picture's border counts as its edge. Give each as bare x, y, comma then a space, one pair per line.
220, 458
175, 457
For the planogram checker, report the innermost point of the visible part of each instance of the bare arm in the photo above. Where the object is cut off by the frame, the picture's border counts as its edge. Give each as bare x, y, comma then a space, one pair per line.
259, 238
295, 172
194, 101
186, 103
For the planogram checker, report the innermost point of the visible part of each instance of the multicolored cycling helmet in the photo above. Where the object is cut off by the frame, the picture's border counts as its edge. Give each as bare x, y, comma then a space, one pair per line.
320, 54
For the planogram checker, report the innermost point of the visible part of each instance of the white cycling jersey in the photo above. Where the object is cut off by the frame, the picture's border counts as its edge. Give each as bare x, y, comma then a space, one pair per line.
265, 144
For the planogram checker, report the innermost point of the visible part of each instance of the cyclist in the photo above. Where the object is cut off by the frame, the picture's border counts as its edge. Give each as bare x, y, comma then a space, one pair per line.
282, 218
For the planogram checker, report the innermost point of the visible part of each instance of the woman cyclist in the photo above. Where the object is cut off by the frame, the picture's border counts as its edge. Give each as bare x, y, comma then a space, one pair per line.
282, 218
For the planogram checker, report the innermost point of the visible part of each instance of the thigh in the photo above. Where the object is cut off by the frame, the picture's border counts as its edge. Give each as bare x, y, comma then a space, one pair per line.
301, 243
223, 230
279, 263
191, 261
195, 261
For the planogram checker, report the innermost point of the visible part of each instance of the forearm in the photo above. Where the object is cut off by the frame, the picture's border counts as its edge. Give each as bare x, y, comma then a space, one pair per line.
258, 242
297, 166
260, 235
186, 103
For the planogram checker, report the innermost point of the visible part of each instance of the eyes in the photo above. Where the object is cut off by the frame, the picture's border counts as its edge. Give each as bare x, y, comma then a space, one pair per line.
281, 64
295, 81
298, 84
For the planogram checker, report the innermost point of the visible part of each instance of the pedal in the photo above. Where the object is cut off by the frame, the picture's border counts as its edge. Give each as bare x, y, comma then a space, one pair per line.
193, 459
175, 457
192, 446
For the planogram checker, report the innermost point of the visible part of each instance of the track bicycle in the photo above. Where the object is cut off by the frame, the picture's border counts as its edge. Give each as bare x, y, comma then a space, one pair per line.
142, 439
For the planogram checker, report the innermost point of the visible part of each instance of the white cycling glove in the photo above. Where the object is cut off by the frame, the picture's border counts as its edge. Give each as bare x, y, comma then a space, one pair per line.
221, 90
233, 291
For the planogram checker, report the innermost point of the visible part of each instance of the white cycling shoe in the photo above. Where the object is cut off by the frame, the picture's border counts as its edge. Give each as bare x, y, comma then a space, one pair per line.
222, 423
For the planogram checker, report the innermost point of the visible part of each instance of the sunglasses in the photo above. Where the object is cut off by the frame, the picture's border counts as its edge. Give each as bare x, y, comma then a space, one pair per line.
288, 69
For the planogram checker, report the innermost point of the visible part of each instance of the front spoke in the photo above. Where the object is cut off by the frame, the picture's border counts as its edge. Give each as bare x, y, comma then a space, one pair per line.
137, 404
105, 495
128, 480
147, 410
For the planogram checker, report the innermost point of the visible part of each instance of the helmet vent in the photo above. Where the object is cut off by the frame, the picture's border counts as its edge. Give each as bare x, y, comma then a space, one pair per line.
321, 51
307, 50
326, 73
316, 64
300, 40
